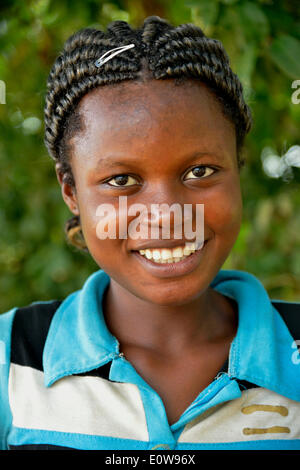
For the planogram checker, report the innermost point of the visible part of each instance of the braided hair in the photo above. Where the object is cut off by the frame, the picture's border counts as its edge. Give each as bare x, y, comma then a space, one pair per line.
161, 51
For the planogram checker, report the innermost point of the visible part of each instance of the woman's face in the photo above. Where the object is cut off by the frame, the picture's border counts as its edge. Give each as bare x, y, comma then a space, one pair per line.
154, 134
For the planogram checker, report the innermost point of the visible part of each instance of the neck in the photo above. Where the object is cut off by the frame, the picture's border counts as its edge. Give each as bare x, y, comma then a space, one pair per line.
211, 317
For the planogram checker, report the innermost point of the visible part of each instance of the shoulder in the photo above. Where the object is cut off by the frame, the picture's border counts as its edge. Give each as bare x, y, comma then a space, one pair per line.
29, 332
290, 313
23, 332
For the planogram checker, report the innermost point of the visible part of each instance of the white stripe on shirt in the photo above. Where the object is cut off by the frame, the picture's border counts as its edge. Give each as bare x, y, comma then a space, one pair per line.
76, 404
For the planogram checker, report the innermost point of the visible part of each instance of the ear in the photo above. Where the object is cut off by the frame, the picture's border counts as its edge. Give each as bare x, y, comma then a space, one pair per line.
68, 192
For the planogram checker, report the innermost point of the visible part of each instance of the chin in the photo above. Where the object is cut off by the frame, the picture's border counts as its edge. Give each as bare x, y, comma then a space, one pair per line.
169, 295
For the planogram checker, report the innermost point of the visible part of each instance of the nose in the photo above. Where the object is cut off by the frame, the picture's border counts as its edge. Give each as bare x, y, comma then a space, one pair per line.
159, 214
163, 204
172, 221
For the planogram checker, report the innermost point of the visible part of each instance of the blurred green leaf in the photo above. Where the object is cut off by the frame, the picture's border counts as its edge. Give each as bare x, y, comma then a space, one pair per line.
254, 20
285, 53
203, 13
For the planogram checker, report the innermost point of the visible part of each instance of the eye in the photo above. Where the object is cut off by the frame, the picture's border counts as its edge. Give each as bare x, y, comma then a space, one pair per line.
200, 172
122, 180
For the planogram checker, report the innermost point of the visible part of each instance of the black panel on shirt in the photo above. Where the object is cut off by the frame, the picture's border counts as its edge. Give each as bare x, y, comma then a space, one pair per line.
29, 333
245, 385
40, 447
290, 313
102, 372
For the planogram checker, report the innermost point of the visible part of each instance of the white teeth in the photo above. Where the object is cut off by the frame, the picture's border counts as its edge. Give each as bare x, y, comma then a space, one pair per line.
156, 255
187, 250
191, 246
177, 252
148, 254
166, 255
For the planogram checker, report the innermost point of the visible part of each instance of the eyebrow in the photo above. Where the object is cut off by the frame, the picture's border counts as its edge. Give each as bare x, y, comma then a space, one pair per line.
109, 162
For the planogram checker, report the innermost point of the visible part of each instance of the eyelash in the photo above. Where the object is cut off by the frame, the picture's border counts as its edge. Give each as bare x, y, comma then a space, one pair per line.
125, 174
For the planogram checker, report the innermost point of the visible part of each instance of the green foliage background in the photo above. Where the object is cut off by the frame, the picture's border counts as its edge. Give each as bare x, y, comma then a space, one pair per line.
262, 40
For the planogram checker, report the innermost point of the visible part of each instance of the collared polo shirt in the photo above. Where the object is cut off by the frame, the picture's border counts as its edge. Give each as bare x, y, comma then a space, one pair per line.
64, 382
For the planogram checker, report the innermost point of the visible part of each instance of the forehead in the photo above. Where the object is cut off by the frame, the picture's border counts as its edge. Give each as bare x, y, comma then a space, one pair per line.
138, 114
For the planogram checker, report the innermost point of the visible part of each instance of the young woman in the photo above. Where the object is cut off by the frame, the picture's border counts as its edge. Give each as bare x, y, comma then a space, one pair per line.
161, 348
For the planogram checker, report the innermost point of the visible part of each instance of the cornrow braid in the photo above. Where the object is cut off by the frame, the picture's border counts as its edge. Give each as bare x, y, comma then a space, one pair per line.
161, 51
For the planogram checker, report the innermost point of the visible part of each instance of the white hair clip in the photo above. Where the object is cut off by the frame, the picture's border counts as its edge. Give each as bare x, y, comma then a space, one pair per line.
104, 58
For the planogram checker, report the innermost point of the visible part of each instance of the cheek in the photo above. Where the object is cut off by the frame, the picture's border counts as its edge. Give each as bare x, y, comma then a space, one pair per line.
100, 225
223, 210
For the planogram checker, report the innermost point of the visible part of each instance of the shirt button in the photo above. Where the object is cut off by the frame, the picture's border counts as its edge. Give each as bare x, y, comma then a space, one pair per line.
161, 447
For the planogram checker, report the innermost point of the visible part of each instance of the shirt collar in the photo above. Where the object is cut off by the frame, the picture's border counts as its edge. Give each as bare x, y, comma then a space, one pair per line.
78, 339
261, 352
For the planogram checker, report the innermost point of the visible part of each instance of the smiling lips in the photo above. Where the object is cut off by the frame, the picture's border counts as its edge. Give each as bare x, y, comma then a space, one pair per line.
167, 255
